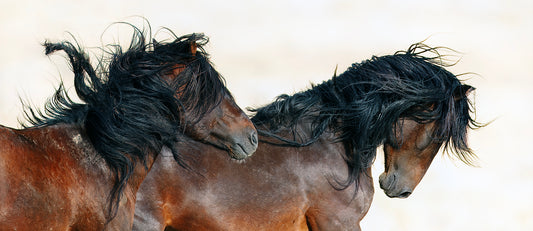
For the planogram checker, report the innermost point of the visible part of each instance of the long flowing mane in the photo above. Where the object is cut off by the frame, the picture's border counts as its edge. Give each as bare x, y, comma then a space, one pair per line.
363, 104
129, 107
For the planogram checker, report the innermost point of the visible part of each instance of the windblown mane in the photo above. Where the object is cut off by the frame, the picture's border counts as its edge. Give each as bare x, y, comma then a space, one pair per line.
130, 108
365, 101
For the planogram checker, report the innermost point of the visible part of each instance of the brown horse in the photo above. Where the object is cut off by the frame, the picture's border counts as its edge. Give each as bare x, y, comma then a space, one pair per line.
79, 166
311, 170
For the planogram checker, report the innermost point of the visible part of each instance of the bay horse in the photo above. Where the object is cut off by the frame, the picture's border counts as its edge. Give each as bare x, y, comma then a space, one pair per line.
312, 169
78, 166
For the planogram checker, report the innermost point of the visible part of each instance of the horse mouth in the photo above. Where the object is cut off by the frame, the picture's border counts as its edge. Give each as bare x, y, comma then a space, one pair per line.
239, 152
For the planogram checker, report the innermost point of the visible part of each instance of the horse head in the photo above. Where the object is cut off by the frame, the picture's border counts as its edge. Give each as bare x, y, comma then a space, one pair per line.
220, 122
409, 153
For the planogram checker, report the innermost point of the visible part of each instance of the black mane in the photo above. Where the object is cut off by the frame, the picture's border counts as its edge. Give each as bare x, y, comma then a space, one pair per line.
130, 109
363, 104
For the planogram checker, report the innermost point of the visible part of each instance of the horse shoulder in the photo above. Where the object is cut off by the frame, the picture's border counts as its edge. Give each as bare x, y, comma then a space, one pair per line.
331, 208
46, 177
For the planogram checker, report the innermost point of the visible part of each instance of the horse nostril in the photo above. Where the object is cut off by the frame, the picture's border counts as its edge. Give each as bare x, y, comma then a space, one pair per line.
253, 138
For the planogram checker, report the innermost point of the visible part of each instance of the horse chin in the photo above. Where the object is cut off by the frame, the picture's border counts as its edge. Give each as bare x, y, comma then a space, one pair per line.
402, 194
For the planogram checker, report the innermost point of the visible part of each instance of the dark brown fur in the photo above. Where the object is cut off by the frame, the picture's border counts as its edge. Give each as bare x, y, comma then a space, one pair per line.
312, 169
53, 176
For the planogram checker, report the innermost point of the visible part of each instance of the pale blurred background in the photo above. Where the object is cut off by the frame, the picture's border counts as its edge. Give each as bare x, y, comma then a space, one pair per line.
266, 48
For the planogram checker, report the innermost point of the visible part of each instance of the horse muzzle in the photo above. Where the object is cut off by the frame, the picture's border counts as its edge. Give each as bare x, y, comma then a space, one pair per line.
393, 186
244, 147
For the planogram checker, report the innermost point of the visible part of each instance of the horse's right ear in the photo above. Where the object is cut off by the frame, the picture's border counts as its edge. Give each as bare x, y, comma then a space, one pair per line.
462, 91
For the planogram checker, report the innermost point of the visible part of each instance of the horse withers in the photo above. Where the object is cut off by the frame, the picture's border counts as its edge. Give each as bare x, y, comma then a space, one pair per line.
78, 166
312, 169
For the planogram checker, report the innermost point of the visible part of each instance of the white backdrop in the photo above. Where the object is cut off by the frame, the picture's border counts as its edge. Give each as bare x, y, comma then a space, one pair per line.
265, 48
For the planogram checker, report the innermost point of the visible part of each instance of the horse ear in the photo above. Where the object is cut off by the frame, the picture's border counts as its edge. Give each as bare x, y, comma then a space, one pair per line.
194, 46
462, 92
156, 44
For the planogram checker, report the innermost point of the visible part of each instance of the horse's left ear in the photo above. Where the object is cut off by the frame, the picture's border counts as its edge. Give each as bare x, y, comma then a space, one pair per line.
194, 46
462, 91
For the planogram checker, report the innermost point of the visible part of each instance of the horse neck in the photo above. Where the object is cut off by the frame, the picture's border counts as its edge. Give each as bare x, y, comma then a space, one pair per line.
81, 139
140, 171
